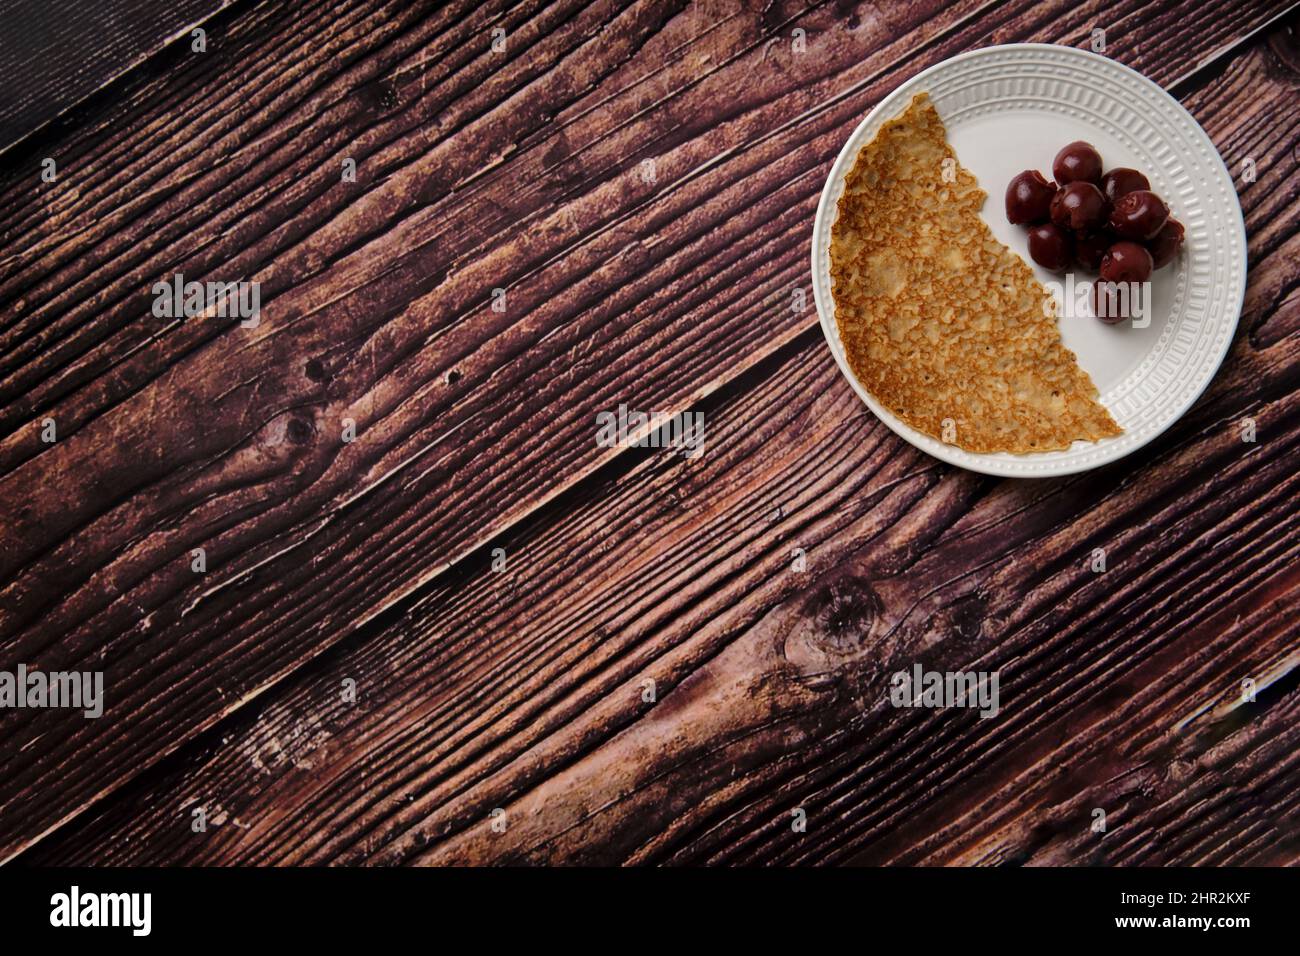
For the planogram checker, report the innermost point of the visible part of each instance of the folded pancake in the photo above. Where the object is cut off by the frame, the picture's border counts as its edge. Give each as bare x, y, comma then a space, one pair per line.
942, 323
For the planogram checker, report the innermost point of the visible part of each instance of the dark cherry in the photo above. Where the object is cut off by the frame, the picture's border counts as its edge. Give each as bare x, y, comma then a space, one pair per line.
1050, 246
1029, 197
1121, 181
1079, 206
1138, 215
1166, 243
1078, 162
1126, 262
1090, 247
1108, 302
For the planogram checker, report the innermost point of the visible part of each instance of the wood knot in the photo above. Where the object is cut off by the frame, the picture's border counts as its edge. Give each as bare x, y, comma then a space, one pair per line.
379, 95
844, 611
300, 431
830, 632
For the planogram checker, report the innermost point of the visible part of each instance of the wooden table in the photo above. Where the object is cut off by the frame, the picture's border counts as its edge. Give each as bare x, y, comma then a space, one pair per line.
470, 634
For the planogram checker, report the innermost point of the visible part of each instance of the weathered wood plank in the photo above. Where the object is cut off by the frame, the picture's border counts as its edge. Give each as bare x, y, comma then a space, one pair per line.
56, 53
522, 690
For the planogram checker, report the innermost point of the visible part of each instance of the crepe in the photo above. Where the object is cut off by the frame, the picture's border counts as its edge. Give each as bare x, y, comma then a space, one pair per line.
940, 322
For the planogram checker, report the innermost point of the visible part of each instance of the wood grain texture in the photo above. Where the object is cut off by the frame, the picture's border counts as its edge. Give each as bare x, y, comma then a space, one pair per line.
523, 690
56, 53
526, 175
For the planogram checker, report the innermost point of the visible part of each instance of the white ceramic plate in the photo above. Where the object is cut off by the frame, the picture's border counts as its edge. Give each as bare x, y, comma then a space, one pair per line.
1010, 108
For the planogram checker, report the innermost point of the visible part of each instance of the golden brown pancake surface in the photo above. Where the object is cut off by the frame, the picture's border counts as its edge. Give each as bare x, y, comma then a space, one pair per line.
943, 324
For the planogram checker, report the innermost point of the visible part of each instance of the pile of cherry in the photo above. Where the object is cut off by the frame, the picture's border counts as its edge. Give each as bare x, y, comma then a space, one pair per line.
1110, 224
